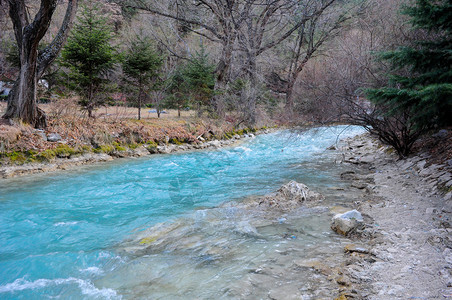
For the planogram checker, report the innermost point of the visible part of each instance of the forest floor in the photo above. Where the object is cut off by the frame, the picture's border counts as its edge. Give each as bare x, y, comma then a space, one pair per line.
406, 245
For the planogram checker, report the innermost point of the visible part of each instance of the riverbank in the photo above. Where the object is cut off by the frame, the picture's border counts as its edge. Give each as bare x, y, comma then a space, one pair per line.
69, 160
405, 249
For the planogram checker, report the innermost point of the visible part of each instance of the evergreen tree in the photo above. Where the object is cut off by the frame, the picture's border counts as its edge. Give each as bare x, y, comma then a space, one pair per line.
89, 56
193, 83
178, 89
425, 94
198, 74
141, 67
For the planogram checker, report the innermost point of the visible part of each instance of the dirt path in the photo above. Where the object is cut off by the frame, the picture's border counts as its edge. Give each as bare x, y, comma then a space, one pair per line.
409, 210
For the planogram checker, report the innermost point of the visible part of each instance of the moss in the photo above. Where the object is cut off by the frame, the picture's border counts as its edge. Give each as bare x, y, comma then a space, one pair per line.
175, 141
133, 145
46, 155
85, 149
151, 144
148, 240
64, 151
119, 147
104, 149
17, 157
228, 135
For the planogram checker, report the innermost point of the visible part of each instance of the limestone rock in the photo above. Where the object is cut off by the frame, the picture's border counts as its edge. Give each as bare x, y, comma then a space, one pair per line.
41, 133
298, 192
53, 137
351, 248
347, 222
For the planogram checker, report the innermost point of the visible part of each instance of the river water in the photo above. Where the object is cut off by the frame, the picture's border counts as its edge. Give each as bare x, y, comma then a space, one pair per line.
166, 226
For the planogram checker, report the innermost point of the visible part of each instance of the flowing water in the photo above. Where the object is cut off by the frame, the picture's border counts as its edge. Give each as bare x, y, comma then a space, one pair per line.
166, 226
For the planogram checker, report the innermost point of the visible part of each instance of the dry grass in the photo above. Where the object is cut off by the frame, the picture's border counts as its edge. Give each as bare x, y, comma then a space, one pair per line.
111, 125
69, 106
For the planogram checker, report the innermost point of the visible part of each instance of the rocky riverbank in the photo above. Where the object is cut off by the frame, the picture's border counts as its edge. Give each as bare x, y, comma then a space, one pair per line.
70, 161
404, 249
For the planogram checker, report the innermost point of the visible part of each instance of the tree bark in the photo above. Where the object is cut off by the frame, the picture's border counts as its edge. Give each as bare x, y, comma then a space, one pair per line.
22, 102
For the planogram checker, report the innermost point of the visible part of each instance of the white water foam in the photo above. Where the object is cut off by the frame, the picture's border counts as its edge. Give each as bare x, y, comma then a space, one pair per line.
92, 270
86, 287
64, 223
245, 149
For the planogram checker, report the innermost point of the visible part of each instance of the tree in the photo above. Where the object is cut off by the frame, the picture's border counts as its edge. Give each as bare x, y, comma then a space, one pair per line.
420, 84
89, 56
141, 67
199, 78
192, 83
250, 27
33, 63
178, 89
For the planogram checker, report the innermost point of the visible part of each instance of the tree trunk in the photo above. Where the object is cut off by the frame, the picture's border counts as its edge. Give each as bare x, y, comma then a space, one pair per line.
139, 104
22, 99
222, 72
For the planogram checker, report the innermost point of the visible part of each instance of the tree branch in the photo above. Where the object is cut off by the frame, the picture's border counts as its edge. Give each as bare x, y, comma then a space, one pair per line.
49, 54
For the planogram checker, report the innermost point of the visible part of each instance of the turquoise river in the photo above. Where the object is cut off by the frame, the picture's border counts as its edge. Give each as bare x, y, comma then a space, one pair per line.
78, 234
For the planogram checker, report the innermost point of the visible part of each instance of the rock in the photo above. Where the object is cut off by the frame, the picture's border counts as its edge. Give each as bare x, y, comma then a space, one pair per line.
348, 222
298, 192
332, 147
246, 229
285, 292
152, 150
359, 185
343, 280
140, 151
166, 149
41, 133
350, 248
348, 175
289, 197
315, 265
442, 134
206, 135
53, 137
215, 144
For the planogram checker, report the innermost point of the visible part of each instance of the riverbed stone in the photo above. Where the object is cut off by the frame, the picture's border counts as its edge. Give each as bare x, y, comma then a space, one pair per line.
351, 248
347, 222
285, 292
298, 192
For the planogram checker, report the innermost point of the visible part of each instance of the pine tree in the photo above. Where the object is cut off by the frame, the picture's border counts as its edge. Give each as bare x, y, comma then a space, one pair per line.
89, 56
141, 67
200, 79
425, 94
193, 83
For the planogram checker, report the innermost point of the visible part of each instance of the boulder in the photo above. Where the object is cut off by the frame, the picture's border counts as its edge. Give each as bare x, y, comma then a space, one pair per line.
442, 134
41, 133
53, 137
298, 192
347, 222
215, 144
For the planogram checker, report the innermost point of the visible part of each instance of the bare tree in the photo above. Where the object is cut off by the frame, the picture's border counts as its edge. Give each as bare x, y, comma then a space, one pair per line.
22, 99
